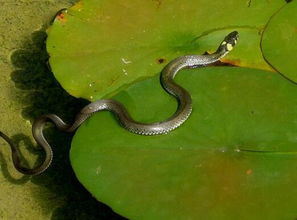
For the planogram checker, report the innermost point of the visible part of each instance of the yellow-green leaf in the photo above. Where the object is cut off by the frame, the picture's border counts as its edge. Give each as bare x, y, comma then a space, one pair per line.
98, 47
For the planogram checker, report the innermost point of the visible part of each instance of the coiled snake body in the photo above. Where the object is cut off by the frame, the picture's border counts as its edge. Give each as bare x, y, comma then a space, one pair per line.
167, 75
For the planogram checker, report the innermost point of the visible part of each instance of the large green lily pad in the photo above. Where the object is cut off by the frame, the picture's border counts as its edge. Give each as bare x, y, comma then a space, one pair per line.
98, 47
279, 43
196, 171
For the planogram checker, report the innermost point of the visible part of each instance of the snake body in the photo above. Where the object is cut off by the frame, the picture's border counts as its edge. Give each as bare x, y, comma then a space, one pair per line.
167, 80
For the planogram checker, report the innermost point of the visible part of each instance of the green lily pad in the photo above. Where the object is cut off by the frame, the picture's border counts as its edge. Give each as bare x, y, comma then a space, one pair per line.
98, 48
279, 42
196, 172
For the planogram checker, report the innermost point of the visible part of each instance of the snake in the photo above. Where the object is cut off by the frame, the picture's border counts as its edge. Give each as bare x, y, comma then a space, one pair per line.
167, 76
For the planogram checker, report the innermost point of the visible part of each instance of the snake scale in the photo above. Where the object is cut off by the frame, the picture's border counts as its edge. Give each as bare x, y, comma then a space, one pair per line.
167, 80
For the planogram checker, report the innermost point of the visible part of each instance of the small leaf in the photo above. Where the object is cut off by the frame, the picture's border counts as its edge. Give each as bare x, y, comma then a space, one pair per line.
279, 43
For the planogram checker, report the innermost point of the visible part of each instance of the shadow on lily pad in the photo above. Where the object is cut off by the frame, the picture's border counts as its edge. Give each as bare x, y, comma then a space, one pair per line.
39, 93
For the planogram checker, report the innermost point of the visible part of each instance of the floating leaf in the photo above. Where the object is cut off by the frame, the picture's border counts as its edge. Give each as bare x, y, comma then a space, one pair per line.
195, 171
279, 42
98, 47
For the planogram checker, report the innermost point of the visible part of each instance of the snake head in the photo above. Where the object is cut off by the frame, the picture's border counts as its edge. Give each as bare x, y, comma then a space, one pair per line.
229, 42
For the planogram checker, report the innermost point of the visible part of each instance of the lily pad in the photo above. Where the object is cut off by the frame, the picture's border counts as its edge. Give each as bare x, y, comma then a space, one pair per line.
279, 42
196, 171
98, 47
